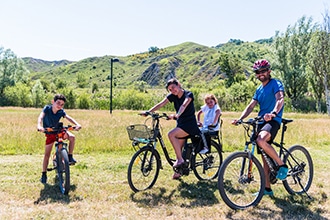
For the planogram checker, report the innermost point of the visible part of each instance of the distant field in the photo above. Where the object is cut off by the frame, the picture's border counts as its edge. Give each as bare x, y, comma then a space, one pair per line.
99, 182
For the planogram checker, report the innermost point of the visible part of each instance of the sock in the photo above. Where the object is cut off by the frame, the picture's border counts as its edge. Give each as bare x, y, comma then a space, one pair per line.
268, 189
70, 155
44, 173
284, 165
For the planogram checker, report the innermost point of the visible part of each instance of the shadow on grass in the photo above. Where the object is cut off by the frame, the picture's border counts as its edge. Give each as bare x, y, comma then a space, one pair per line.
152, 199
290, 207
198, 194
52, 194
201, 193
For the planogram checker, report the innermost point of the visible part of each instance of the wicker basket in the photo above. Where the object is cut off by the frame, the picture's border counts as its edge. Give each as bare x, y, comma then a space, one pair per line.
139, 131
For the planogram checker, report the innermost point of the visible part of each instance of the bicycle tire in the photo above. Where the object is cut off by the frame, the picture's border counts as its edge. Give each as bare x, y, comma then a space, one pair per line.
63, 171
236, 189
300, 175
143, 169
206, 166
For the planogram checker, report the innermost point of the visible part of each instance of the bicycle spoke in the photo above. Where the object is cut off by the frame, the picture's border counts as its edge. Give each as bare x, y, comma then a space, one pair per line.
301, 170
143, 170
206, 166
238, 187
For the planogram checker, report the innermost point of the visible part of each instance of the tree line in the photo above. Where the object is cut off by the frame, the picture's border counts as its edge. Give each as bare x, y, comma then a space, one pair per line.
300, 58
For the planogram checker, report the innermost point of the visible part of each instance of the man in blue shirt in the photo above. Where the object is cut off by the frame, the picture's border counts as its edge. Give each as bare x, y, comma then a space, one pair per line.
270, 97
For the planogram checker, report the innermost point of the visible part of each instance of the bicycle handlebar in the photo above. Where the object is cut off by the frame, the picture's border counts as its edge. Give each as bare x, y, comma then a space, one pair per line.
155, 115
59, 129
251, 121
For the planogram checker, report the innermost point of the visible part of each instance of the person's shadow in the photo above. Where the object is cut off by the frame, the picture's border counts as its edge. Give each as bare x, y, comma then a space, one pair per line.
51, 194
200, 194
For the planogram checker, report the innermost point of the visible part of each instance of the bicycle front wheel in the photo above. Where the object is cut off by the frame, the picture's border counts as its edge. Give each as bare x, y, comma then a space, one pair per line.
63, 171
206, 166
143, 169
301, 170
241, 181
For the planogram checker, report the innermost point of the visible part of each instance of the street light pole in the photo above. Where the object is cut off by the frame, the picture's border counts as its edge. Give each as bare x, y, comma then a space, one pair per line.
112, 60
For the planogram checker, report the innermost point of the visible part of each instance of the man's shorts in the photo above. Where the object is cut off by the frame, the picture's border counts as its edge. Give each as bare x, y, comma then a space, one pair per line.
50, 138
272, 127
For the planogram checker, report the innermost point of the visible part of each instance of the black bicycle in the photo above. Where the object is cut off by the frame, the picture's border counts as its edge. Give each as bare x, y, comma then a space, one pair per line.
61, 163
143, 169
241, 180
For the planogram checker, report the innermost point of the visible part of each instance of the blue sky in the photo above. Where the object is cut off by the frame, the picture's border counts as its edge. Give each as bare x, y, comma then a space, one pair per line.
77, 29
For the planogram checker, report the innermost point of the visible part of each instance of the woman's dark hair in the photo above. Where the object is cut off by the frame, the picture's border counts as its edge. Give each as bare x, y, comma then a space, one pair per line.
60, 97
170, 82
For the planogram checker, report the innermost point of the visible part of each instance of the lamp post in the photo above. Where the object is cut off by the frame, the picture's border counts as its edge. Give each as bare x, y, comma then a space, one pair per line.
112, 60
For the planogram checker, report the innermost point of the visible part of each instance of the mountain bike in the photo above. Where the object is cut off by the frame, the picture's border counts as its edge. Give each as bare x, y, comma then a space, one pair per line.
241, 180
61, 163
143, 169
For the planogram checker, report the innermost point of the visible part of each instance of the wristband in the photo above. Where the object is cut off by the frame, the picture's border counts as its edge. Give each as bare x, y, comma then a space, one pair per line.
274, 112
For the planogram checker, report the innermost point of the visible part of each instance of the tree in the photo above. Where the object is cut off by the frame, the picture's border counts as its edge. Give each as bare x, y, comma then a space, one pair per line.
231, 66
319, 57
38, 94
12, 70
291, 57
153, 49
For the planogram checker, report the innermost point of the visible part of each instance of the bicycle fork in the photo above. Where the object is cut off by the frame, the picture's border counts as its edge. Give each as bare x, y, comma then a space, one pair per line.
247, 178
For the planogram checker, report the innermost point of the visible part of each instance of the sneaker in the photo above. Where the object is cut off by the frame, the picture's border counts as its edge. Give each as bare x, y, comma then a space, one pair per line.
266, 193
72, 161
176, 176
282, 172
178, 163
269, 193
43, 179
204, 151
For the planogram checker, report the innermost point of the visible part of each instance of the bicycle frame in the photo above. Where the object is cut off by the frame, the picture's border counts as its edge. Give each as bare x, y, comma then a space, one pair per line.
281, 152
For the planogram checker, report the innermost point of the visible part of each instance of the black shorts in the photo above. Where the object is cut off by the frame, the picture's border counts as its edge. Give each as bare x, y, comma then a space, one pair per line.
272, 127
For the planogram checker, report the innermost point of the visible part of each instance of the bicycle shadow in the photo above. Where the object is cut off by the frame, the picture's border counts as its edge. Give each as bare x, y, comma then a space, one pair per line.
298, 204
200, 194
152, 199
52, 194
290, 207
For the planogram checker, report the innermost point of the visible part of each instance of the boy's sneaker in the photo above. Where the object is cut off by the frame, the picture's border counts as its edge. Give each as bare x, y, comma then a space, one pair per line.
282, 172
43, 179
71, 160
204, 151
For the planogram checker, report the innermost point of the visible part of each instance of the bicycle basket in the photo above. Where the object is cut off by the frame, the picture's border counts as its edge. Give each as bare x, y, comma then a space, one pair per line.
139, 131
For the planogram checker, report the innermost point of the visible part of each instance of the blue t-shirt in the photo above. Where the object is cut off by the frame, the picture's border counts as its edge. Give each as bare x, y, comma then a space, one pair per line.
265, 96
51, 120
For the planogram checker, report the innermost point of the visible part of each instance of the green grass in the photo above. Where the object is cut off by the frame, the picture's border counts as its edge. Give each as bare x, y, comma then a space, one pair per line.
99, 179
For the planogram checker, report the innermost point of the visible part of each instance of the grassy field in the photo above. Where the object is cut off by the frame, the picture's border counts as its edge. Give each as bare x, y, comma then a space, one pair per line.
99, 180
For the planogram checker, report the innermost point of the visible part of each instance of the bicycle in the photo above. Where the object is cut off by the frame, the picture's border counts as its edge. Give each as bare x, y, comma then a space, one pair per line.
143, 169
61, 163
241, 180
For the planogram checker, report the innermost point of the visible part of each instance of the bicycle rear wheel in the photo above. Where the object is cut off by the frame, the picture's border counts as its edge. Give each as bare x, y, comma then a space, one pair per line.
63, 170
301, 170
238, 187
206, 166
143, 169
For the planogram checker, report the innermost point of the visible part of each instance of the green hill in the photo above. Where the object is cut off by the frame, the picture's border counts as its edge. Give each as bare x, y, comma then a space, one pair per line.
189, 62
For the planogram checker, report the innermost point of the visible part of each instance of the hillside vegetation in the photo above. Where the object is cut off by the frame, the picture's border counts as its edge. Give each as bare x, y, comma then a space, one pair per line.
189, 62
299, 58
